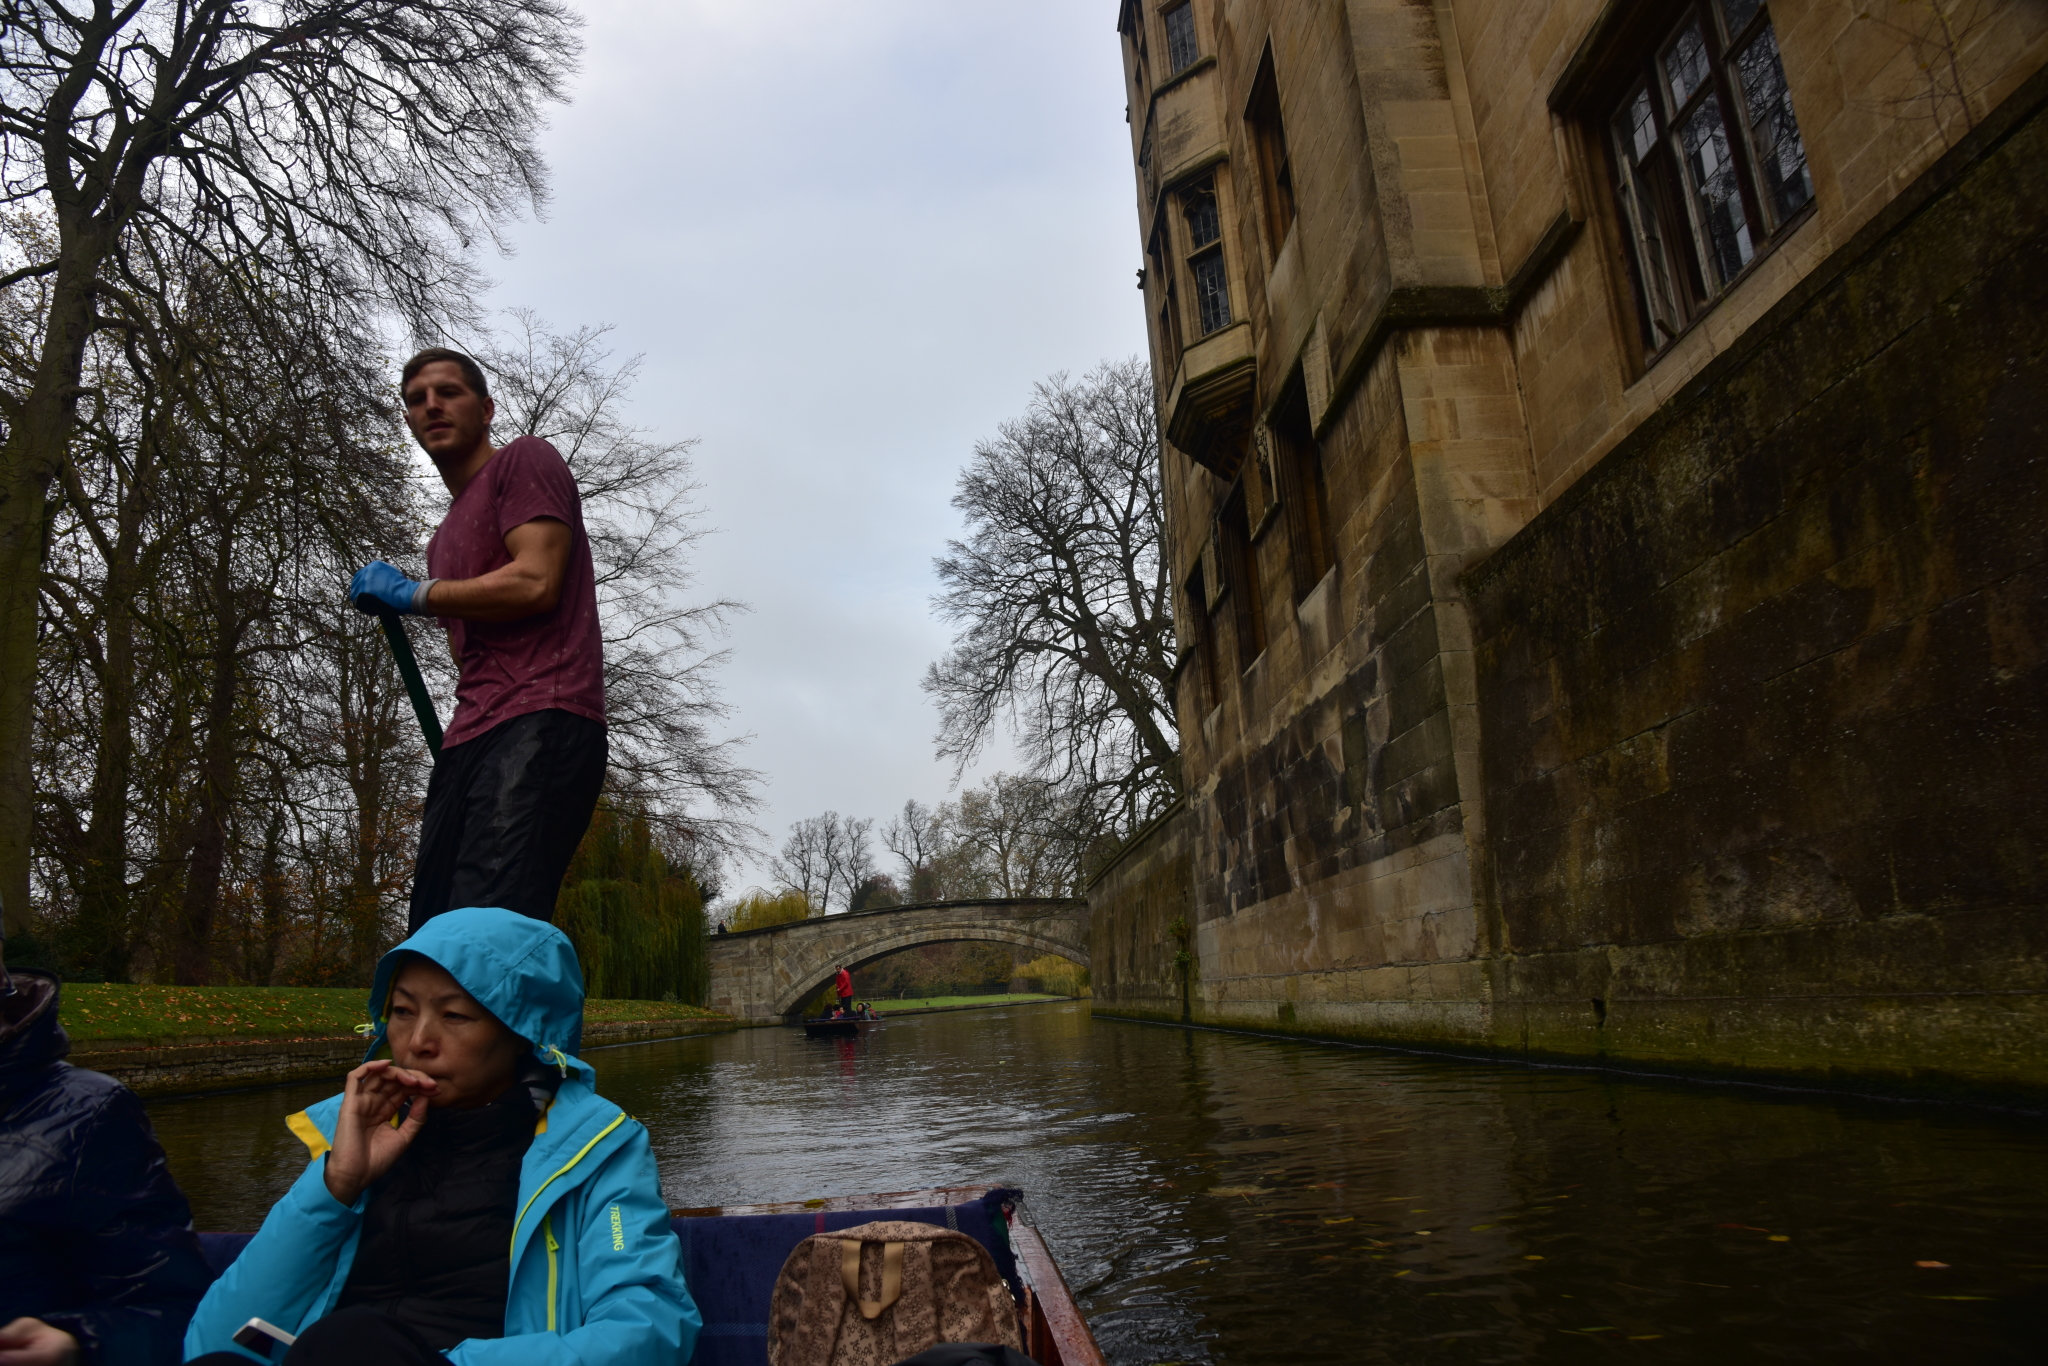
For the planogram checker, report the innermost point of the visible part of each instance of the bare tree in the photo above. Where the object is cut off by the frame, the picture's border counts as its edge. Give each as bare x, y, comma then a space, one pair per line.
803, 866
856, 857
1062, 597
825, 856
245, 760
230, 461
661, 700
1020, 836
354, 147
917, 837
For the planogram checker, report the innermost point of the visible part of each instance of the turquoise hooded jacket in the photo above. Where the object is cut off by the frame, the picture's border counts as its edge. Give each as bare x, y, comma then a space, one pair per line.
596, 1270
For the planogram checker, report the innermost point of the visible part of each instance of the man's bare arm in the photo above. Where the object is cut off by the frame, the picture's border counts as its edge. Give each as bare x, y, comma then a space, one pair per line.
531, 583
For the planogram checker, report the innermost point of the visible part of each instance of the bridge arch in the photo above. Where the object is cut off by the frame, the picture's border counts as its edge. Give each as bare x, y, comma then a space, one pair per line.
1037, 944
763, 976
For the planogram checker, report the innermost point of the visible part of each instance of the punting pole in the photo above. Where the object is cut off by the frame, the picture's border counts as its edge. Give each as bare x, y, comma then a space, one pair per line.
415, 686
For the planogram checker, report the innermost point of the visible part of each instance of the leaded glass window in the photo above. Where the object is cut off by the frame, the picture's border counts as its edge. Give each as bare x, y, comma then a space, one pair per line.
1212, 292
1710, 167
1205, 258
1181, 48
1708, 159
1773, 132
1204, 224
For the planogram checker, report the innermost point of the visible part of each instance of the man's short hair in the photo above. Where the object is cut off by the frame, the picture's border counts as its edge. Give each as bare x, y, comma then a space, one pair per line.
472, 373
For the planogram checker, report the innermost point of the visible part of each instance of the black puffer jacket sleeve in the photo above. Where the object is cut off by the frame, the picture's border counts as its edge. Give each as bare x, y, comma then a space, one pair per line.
129, 1239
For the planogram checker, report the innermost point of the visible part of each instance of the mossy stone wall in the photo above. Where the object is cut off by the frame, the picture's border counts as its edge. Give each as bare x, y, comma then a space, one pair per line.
1761, 698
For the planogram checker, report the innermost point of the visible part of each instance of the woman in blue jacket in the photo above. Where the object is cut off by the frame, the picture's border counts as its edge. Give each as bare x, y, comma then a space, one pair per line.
471, 1199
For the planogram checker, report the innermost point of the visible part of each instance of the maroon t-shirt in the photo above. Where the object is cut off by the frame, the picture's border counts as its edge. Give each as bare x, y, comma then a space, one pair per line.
550, 659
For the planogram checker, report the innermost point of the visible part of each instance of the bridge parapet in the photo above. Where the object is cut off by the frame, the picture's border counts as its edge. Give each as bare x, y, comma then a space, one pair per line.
764, 976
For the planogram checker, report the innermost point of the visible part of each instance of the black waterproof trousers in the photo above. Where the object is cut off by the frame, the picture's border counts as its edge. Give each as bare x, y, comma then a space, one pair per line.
505, 812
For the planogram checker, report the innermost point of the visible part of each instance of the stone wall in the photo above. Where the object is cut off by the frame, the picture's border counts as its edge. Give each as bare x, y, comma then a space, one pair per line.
1332, 881
1761, 697
185, 1067
1727, 761
167, 1069
1134, 905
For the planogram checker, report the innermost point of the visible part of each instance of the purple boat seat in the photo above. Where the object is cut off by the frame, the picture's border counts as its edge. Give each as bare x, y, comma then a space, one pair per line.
730, 1263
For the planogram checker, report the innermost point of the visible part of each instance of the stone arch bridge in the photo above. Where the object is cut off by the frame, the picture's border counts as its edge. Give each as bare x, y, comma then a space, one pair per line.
765, 976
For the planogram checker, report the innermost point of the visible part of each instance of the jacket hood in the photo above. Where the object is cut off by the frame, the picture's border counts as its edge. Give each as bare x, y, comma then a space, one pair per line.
522, 970
30, 1037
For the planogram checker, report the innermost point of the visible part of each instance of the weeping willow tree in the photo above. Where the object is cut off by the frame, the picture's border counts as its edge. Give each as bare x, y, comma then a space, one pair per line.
634, 911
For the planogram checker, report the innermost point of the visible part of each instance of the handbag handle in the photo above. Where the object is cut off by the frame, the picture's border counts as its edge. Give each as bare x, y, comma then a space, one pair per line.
892, 1276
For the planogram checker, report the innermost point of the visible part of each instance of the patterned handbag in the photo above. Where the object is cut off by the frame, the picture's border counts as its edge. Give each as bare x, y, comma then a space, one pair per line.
877, 1293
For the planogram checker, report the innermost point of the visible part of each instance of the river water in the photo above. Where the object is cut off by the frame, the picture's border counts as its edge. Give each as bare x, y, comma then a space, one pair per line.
1221, 1198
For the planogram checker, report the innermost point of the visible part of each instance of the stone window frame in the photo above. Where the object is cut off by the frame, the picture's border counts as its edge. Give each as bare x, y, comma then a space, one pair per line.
1172, 341
1653, 184
1131, 24
1243, 589
1267, 135
1183, 38
1201, 599
1302, 489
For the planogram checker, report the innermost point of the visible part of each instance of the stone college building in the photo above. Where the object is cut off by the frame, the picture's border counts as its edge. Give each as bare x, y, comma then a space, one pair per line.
1605, 449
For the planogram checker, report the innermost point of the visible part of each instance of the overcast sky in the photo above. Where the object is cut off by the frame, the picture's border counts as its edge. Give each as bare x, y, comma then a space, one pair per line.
847, 238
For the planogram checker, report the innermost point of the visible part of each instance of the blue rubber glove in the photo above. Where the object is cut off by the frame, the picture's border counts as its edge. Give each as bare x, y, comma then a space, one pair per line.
380, 587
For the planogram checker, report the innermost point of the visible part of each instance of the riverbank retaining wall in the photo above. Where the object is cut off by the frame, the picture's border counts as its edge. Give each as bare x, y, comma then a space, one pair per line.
1758, 705
1761, 698
1135, 951
187, 1066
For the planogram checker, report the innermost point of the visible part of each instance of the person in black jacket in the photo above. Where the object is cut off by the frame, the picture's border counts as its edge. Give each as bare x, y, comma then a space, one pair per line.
98, 1261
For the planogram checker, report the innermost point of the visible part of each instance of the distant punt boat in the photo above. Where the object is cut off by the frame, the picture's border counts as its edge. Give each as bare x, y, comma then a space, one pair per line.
838, 1029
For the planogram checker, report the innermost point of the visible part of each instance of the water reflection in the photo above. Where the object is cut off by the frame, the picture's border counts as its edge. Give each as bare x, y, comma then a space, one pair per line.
1228, 1199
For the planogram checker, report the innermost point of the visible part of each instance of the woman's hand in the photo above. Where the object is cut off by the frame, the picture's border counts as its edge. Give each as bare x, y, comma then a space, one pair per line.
31, 1342
365, 1143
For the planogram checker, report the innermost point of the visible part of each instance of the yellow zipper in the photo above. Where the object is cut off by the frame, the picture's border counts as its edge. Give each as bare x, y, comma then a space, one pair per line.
580, 1154
547, 1228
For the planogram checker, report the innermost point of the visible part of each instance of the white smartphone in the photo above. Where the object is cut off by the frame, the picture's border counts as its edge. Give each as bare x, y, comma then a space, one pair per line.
259, 1336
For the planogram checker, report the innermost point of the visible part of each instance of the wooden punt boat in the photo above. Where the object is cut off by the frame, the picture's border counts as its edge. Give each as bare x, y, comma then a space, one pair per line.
839, 1029
1055, 1333
732, 1254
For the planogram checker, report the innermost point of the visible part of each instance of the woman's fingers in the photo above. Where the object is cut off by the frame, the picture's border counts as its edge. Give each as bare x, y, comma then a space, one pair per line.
375, 1096
378, 1096
416, 1081
414, 1118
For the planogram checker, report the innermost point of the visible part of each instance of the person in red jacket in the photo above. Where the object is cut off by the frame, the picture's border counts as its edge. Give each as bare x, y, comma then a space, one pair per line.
844, 985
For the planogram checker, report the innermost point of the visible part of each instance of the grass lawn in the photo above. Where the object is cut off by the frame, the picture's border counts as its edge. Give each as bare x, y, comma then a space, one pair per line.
111, 1011
940, 1002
